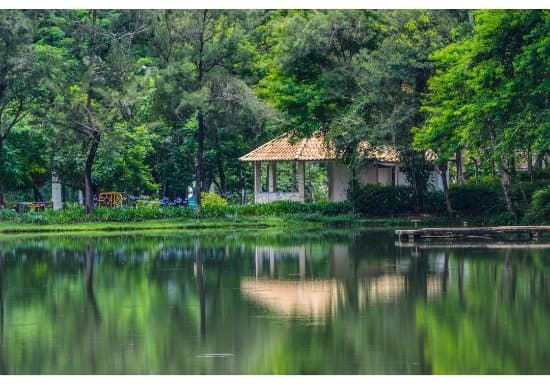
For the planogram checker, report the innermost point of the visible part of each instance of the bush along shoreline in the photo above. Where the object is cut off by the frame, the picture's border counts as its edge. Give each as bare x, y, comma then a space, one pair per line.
72, 214
480, 204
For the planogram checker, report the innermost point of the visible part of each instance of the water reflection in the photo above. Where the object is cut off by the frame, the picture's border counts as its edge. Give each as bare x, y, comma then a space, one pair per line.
238, 303
300, 295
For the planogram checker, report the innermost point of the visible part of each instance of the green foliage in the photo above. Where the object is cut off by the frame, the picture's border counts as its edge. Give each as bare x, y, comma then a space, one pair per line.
539, 211
481, 204
76, 214
378, 200
212, 199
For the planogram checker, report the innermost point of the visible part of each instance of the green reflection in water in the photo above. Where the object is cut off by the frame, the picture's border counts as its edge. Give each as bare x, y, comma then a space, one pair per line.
327, 303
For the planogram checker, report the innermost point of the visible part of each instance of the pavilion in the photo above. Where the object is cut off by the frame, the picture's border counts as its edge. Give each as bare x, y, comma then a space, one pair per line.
382, 167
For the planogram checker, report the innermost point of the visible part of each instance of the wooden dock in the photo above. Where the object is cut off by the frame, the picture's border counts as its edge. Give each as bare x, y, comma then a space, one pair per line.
470, 232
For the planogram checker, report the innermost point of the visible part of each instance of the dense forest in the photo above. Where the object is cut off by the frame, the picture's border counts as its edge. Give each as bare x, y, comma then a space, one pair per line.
147, 102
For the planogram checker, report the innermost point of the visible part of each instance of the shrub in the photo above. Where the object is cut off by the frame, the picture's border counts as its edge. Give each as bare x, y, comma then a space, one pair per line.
477, 199
378, 200
539, 211
212, 199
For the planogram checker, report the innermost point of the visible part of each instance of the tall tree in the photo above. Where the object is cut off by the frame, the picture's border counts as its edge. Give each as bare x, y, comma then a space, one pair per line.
491, 91
19, 74
204, 61
96, 99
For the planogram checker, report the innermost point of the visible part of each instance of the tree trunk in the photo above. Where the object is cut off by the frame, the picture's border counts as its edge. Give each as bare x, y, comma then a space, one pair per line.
506, 180
219, 161
530, 164
96, 134
443, 170
200, 149
243, 184
88, 189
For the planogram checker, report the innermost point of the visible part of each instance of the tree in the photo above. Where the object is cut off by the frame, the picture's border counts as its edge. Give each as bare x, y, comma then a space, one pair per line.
95, 97
19, 74
391, 81
310, 63
204, 59
490, 91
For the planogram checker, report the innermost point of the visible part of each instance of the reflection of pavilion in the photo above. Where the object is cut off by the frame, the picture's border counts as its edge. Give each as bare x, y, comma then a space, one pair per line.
321, 297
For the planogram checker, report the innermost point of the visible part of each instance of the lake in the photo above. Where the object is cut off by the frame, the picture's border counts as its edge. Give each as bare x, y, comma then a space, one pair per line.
330, 302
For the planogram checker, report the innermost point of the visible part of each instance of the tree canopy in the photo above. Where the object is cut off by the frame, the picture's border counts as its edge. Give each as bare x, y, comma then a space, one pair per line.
154, 101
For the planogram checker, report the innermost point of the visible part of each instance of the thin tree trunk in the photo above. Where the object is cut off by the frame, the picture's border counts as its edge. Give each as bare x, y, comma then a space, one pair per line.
243, 184
200, 149
200, 117
221, 170
530, 164
443, 170
96, 135
506, 180
88, 188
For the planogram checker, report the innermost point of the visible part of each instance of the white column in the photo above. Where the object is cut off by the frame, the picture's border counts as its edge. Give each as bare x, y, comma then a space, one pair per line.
257, 179
57, 197
257, 176
301, 174
80, 197
272, 177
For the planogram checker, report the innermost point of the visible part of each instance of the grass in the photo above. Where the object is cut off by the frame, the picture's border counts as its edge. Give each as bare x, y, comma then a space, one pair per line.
289, 222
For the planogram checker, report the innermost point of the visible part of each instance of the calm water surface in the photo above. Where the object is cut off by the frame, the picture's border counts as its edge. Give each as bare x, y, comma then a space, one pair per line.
238, 303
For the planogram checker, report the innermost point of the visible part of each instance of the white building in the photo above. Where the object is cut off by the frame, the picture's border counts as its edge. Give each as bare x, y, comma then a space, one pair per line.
381, 167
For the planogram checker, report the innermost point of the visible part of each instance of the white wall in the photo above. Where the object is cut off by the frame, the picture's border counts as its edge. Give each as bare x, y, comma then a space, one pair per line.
339, 178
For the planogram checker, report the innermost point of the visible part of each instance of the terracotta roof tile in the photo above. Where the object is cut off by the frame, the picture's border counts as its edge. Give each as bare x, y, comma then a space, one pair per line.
285, 148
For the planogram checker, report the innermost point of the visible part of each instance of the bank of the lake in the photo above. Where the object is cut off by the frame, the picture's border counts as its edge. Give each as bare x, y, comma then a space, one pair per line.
287, 223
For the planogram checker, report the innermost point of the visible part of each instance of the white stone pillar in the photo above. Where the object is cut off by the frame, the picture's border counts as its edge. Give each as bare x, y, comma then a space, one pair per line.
57, 197
80, 197
272, 177
301, 176
257, 180
257, 176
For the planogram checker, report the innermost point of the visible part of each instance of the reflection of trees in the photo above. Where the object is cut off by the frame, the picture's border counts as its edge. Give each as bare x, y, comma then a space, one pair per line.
3, 367
494, 324
200, 288
90, 283
158, 315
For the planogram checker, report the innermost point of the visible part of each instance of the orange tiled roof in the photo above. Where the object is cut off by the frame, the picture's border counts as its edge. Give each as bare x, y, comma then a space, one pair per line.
285, 148
383, 153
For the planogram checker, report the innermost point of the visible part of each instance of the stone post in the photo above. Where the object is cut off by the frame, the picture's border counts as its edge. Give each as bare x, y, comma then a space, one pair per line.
57, 198
272, 177
301, 174
257, 176
257, 179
